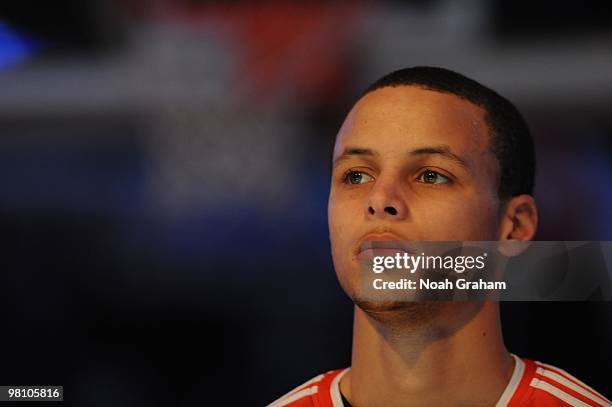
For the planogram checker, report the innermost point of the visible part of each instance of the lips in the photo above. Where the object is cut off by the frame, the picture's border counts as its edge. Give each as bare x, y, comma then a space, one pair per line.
367, 254
382, 244
380, 240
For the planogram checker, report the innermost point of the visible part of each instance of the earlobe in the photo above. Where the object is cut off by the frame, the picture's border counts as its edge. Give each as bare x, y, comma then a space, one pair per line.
520, 219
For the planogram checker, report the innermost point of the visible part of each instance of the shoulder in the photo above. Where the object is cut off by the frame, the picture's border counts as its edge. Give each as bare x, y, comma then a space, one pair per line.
545, 385
320, 391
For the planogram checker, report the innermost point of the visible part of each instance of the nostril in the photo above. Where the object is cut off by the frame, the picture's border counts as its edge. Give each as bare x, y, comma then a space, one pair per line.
391, 210
371, 210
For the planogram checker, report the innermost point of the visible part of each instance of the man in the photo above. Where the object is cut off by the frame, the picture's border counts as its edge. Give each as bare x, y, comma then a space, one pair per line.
427, 154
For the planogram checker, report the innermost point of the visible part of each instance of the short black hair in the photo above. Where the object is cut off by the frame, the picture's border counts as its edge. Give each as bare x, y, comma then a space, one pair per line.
511, 140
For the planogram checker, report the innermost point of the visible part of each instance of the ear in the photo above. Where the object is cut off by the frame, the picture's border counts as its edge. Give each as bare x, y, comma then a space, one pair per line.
519, 219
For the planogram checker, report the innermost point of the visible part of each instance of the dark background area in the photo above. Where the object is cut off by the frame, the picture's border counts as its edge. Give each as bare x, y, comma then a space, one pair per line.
164, 174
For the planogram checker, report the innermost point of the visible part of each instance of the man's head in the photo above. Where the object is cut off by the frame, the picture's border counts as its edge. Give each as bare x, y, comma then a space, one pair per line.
428, 154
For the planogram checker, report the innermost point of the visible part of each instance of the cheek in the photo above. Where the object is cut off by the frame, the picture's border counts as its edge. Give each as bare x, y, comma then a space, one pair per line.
343, 222
465, 221
342, 211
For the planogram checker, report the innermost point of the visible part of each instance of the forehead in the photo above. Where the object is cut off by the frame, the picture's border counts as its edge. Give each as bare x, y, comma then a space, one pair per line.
395, 119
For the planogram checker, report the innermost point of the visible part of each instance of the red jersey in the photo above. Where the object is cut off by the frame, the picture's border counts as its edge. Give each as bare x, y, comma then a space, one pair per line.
532, 384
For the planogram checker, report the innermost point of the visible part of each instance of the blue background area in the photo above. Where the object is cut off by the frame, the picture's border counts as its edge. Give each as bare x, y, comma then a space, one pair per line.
135, 272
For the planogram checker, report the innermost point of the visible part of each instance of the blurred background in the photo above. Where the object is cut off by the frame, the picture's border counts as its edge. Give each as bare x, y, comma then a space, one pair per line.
164, 177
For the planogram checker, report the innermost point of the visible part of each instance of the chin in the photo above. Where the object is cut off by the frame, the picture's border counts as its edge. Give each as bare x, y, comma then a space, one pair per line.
434, 319
408, 314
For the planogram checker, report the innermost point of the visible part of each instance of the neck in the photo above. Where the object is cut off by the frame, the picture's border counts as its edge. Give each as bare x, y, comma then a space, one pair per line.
467, 364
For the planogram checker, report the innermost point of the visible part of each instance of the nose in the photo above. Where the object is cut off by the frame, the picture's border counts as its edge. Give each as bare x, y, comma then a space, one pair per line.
386, 201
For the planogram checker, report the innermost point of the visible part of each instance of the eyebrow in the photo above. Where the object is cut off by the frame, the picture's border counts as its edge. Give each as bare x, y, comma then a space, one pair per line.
441, 150
350, 152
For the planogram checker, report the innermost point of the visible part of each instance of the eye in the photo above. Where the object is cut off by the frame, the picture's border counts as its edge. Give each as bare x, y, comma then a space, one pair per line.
433, 177
357, 177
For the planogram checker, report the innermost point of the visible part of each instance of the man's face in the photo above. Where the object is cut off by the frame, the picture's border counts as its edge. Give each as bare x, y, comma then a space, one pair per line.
410, 164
